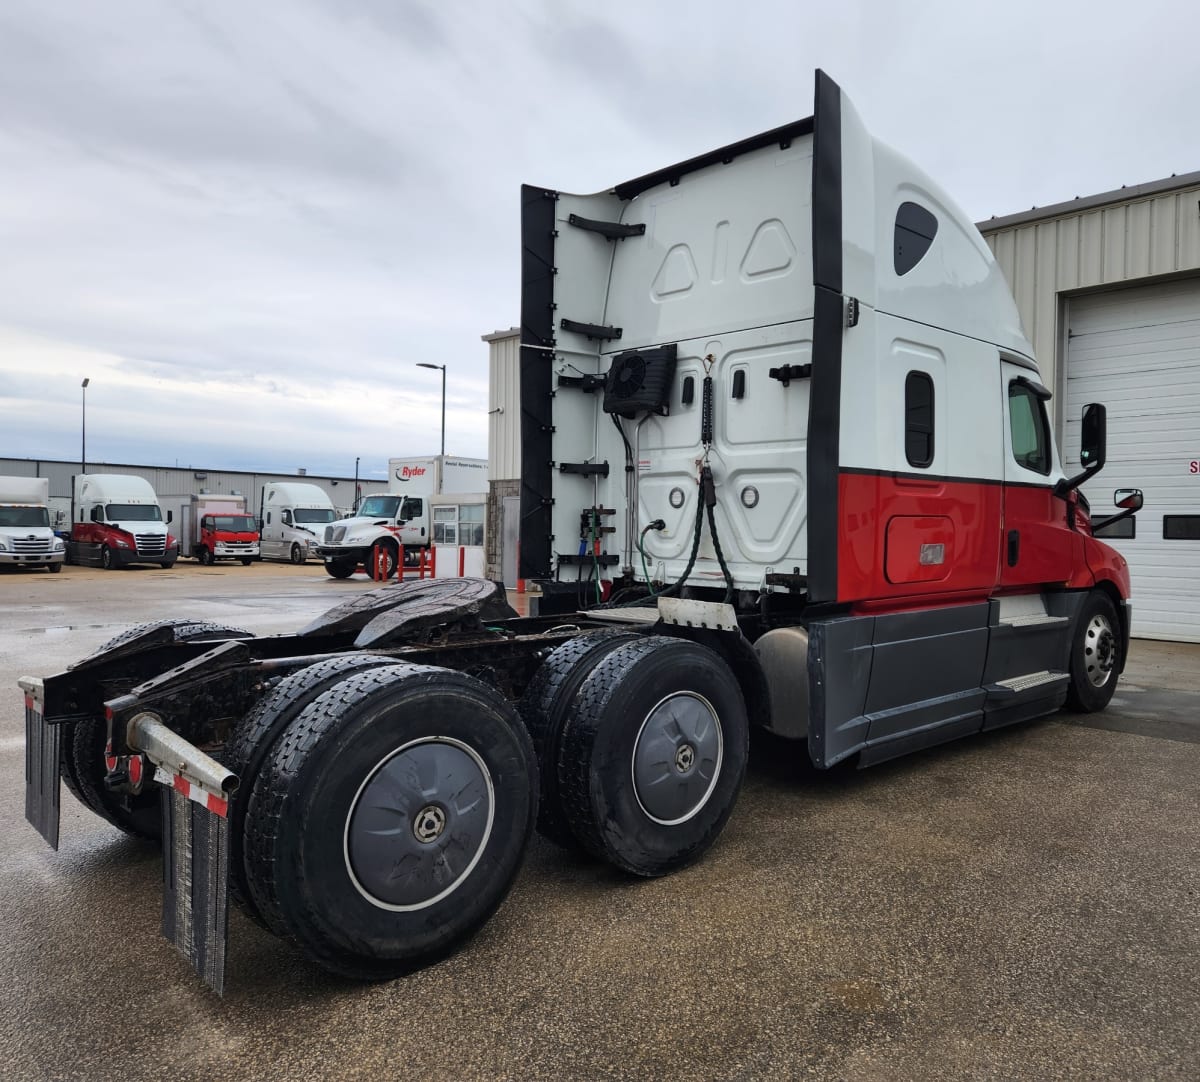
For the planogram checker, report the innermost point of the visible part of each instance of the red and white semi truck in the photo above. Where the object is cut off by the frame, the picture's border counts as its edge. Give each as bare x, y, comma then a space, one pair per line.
779, 398
116, 521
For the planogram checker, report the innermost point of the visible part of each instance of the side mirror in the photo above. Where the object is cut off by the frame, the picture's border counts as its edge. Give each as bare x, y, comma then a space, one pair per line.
1093, 440
286, 518
1093, 436
170, 517
1129, 500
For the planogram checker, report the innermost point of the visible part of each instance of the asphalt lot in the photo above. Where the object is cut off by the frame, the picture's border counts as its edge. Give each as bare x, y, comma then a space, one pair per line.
1023, 905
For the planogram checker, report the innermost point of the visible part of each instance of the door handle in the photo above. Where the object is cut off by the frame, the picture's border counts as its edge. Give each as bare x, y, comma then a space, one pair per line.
1014, 547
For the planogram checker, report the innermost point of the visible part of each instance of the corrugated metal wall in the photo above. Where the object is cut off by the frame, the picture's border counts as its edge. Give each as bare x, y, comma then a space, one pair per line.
1111, 245
175, 487
504, 405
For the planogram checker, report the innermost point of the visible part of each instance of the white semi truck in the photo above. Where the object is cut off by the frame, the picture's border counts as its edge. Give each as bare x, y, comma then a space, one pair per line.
27, 538
116, 521
292, 518
400, 519
779, 397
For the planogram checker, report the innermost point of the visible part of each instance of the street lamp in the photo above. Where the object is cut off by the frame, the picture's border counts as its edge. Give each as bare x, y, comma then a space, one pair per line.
83, 425
426, 364
354, 498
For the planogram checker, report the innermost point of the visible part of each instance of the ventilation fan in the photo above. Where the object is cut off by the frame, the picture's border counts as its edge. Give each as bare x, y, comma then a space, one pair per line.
640, 381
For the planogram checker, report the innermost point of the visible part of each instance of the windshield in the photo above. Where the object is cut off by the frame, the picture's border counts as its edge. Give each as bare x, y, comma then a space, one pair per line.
234, 523
379, 507
313, 514
24, 516
133, 512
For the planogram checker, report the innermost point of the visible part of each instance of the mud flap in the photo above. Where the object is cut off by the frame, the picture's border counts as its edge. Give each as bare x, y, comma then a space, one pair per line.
196, 883
42, 750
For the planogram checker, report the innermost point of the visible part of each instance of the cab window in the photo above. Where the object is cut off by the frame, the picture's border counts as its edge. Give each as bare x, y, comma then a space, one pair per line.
1030, 428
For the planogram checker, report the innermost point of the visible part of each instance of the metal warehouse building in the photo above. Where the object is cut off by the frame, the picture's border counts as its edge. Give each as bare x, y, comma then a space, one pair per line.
175, 485
1108, 288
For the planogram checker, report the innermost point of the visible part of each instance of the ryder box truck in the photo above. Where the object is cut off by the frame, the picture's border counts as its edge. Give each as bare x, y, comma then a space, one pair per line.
778, 396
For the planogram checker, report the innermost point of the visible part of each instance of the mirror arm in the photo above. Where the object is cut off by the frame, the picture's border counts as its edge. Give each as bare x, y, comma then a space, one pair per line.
1066, 485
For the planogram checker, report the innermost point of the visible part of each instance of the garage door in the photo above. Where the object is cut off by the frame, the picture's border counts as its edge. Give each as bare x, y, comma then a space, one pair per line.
1138, 352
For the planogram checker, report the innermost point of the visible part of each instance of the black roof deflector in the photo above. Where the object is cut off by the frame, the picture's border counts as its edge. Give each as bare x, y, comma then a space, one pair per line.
722, 155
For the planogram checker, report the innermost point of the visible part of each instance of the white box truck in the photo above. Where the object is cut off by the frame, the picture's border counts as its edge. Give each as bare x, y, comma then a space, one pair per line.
218, 527
292, 519
26, 536
401, 518
116, 521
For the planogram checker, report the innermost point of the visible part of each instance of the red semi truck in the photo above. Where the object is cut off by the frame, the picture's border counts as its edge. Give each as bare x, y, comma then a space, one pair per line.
778, 397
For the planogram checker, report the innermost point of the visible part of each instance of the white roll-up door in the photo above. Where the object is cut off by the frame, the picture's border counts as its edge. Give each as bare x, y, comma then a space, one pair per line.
1138, 351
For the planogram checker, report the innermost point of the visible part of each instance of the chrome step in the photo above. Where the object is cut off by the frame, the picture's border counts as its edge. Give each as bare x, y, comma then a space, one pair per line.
1016, 685
1035, 619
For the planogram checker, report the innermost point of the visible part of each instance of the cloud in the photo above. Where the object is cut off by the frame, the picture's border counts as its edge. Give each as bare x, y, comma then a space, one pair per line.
247, 223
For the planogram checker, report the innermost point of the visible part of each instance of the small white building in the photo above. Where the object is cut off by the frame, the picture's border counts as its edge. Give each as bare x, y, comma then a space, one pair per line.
1108, 287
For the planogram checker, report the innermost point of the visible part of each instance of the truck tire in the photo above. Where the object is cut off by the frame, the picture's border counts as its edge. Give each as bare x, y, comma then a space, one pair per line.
247, 561
386, 551
166, 565
341, 569
403, 766
254, 738
297, 555
54, 569
653, 711
204, 556
82, 765
1095, 655
106, 558
544, 708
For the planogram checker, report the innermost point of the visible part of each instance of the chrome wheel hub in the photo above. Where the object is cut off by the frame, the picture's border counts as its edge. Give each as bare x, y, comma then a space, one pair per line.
1099, 651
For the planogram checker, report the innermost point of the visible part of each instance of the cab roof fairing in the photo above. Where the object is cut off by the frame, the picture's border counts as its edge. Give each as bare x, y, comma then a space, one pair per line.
957, 285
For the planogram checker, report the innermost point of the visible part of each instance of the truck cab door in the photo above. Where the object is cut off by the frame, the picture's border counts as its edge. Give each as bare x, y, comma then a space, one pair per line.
1038, 546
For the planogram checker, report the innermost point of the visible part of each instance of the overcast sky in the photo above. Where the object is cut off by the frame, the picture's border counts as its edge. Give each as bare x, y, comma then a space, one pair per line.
247, 222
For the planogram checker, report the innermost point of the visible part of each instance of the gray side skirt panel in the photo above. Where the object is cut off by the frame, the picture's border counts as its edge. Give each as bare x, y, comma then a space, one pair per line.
882, 686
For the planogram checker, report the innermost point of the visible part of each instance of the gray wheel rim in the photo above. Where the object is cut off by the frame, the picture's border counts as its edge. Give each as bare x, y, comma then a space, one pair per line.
419, 824
677, 758
1099, 650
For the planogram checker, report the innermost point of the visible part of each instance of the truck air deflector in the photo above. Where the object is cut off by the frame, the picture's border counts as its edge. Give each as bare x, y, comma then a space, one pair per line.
781, 136
824, 429
536, 388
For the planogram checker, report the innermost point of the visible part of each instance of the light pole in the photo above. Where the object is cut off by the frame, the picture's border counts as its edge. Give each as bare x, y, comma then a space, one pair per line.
426, 364
354, 501
83, 425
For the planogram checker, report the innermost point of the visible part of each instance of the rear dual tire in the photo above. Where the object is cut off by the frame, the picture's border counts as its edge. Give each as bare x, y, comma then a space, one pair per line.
390, 819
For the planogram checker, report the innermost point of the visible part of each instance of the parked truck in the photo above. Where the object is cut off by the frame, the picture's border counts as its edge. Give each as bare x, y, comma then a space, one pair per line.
116, 521
779, 398
27, 537
217, 527
386, 524
292, 518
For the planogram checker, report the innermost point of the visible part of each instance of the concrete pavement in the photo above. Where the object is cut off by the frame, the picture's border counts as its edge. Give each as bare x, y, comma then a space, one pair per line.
1019, 905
